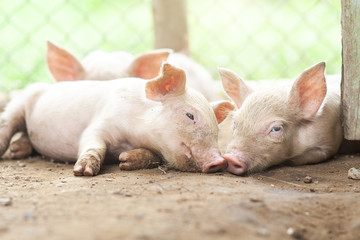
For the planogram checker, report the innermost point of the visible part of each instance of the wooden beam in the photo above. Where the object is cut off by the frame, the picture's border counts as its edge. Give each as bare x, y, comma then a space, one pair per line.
170, 25
350, 82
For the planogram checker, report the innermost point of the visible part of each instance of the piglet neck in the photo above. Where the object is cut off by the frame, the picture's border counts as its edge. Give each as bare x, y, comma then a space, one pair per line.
153, 131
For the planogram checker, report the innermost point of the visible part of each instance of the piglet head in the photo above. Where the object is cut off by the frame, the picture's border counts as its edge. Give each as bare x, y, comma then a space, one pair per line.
267, 125
187, 127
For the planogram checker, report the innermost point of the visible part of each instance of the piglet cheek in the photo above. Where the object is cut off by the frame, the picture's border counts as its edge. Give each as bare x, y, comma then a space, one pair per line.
186, 150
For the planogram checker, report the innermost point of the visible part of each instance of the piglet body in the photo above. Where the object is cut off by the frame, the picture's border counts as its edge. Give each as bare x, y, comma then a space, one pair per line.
85, 121
297, 125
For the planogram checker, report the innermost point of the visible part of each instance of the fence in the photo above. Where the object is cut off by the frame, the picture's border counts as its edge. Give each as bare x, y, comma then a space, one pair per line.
259, 39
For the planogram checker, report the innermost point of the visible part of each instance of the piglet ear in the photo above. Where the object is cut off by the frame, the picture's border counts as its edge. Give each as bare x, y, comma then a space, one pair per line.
222, 109
170, 83
234, 86
62, 65
309, 90
147, 65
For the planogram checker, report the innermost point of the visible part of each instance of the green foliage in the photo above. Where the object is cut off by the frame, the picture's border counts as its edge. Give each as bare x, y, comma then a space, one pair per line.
262, 39
259, 39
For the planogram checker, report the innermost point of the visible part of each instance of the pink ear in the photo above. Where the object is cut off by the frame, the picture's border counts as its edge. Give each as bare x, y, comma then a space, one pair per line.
62, 65
147, 65
234, 86
309, 90
170, 83
222, 109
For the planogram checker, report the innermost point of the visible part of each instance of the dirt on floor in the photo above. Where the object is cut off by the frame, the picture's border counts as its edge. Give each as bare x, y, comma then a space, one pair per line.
40, 199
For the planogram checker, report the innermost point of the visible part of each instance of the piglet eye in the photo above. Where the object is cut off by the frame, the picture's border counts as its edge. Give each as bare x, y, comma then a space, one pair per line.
276, 129
189, 115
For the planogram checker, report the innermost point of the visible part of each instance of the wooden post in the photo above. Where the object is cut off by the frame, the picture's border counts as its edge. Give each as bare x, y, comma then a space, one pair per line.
350, 82
170, 25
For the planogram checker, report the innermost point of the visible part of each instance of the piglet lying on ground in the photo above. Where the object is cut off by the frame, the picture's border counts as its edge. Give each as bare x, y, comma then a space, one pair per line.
299, 126
85, 121
100, 65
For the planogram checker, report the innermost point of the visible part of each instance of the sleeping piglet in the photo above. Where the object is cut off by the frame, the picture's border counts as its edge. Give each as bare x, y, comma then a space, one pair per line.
300, 125
84, 121
100, 65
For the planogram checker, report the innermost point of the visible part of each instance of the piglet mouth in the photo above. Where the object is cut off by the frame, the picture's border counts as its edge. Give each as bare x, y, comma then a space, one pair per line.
215, 165
208, 162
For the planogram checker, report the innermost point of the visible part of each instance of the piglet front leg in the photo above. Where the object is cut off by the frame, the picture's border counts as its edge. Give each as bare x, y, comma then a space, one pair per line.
12, 120
312, 156
91, 153
138, 159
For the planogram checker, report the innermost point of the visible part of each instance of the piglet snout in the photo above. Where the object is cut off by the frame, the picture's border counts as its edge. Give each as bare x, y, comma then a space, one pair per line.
236, 164
215, 165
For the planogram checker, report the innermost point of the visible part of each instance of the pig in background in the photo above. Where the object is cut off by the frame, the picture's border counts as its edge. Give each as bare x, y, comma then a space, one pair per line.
100, 65
299, 125
84, 121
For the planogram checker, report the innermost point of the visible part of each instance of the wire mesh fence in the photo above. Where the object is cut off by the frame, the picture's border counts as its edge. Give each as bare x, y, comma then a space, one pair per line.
259, 39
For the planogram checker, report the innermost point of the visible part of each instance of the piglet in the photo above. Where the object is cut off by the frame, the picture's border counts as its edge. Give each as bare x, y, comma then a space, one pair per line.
100, 65
297, 126
84, 121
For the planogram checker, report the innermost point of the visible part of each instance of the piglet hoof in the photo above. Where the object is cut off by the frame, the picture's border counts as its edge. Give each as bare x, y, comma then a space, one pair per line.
138, 159
20, 148
87, 165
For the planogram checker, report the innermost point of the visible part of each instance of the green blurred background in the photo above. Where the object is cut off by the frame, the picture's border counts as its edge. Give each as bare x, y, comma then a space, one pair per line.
259, 39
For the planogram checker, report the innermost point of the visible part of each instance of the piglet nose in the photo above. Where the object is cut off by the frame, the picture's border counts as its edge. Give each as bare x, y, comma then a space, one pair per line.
235, 165
214, 166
